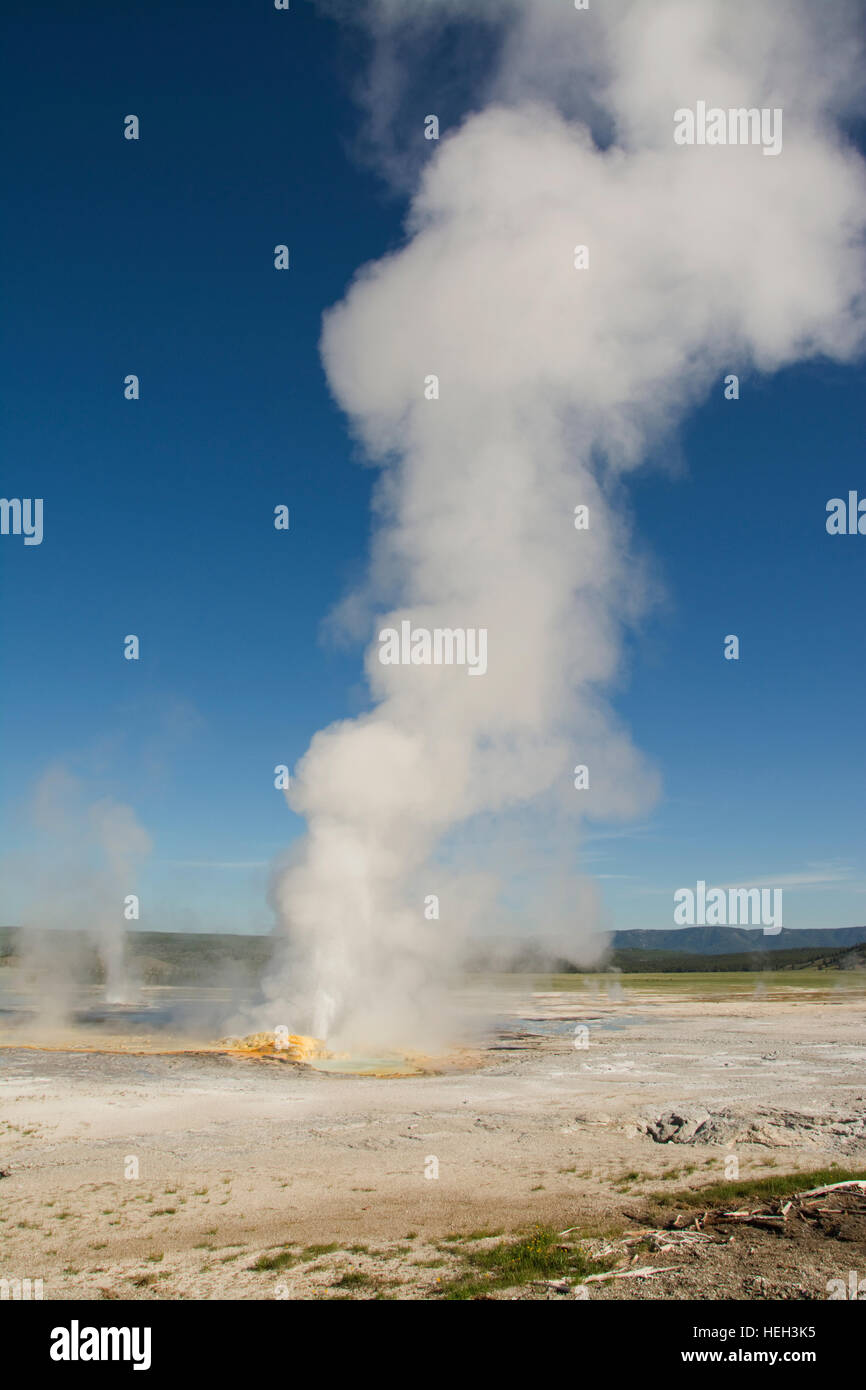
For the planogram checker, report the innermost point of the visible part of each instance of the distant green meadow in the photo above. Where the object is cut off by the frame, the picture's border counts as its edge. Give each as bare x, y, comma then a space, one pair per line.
835, 984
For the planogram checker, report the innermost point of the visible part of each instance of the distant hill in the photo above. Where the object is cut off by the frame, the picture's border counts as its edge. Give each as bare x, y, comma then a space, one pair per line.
211, 958
154, 958
725, 941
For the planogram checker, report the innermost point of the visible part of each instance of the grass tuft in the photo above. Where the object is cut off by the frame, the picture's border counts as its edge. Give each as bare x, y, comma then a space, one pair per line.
284, 1259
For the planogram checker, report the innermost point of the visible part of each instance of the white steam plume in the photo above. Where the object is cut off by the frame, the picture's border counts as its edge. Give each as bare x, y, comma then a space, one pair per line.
82, 862
553, 381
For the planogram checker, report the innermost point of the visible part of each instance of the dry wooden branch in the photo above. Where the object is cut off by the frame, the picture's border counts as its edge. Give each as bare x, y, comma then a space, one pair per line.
858, 1183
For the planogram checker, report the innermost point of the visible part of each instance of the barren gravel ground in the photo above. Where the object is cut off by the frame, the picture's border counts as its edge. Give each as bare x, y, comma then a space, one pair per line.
243, 1158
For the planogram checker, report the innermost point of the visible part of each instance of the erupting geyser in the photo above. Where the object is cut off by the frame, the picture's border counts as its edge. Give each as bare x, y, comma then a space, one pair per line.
530, 342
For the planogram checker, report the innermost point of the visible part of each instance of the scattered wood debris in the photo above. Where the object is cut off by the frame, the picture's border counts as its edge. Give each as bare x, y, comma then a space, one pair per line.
776, 1214
815, 1212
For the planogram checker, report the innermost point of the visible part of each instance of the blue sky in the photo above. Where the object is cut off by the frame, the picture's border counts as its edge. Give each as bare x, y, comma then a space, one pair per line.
156, 257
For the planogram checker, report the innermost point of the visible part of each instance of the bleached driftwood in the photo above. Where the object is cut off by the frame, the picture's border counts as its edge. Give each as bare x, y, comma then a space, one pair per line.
859, 1183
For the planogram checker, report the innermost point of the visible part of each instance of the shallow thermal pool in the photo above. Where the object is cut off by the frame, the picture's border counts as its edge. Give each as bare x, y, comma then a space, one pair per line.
366, 1066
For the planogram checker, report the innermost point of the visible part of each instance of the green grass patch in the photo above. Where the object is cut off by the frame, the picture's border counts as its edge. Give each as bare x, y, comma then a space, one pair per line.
777, 1185
541, 1255
284, 1259
353, 1279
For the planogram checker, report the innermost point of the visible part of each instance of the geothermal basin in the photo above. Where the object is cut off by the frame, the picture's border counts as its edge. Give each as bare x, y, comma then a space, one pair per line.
143, 1157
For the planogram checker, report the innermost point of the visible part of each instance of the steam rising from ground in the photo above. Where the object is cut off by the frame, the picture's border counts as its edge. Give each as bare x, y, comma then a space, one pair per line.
83, 863
553, 382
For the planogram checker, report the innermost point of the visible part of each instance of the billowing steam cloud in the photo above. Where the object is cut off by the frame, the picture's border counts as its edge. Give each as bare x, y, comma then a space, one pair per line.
552, 381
